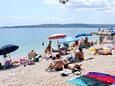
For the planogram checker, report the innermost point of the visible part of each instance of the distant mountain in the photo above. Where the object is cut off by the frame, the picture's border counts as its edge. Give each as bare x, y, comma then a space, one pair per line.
74, 25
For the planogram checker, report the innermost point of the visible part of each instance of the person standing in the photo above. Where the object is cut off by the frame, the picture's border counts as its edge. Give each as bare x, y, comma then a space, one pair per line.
48, 48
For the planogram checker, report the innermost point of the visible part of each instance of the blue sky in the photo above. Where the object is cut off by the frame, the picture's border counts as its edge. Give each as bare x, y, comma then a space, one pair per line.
26, 12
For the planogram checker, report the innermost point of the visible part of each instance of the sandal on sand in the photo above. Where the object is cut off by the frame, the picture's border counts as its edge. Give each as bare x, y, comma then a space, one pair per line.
63, 74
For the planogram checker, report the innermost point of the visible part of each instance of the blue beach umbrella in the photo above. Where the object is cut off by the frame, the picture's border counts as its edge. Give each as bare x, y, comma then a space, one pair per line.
8, 49
68, 40
83, 34
113, 33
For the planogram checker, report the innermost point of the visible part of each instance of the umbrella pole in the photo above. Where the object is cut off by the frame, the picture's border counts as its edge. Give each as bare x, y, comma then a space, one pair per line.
4, 58
12, 73
9, 57
58, 44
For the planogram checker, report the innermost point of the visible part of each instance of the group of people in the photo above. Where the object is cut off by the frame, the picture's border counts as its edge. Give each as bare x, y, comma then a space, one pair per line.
84, 43
59, 65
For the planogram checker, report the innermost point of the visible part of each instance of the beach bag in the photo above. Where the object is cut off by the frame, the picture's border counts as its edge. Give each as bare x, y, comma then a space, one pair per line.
37, 59
22, 61
31, 63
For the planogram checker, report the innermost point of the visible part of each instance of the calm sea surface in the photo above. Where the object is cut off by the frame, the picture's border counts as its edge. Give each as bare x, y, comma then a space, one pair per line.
32, 38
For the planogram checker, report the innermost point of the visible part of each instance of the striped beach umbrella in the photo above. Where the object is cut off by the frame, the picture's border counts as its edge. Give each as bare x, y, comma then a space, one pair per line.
56, 36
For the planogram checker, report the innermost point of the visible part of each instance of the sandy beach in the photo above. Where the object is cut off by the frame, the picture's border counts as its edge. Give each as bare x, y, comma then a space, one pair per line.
35, 75
72, 37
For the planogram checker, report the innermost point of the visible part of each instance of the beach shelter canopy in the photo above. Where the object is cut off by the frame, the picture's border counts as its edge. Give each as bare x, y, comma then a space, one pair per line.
106, 78
102, 33
56, 36
68, 40
87, 81
8, 49
83, 34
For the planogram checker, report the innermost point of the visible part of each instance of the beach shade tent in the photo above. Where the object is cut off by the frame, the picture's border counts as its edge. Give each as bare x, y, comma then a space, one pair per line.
56, 36
106, 78
102, 33
83, 34
8, 49
87, 81
110, 46
68, 40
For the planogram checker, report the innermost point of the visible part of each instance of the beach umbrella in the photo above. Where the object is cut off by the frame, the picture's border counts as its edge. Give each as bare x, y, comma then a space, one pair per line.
56, 36
83, 34
8, 49
68, 40
113, 33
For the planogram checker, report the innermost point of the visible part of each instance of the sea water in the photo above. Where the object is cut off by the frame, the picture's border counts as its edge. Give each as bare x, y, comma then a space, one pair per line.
32, 38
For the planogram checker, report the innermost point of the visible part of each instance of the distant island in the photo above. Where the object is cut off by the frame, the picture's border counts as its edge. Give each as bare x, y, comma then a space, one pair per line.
74, 25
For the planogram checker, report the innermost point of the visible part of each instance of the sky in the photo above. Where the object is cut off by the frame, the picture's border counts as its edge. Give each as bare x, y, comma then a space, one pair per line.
32, 12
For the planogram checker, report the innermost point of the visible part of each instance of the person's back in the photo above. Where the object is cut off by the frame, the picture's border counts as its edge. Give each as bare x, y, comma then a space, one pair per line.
32, 55
80, 54
59, 64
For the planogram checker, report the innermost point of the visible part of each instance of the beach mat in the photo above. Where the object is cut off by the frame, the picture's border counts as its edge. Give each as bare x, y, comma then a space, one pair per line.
102, 77
87, 81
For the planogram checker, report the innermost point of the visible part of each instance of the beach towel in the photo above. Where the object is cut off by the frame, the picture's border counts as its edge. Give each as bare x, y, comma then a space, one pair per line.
87, 81
102, 77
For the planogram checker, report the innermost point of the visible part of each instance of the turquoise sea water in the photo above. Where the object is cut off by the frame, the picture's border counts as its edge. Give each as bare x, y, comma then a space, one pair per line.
32, 38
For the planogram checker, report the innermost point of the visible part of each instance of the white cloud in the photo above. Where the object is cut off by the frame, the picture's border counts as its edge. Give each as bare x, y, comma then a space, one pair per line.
107, 6
50, 2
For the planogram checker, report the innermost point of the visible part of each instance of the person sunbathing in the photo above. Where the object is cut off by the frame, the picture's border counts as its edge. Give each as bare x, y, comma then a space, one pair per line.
79, 55
50, 67
102, 51
73, 67
58, 64
68, 65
